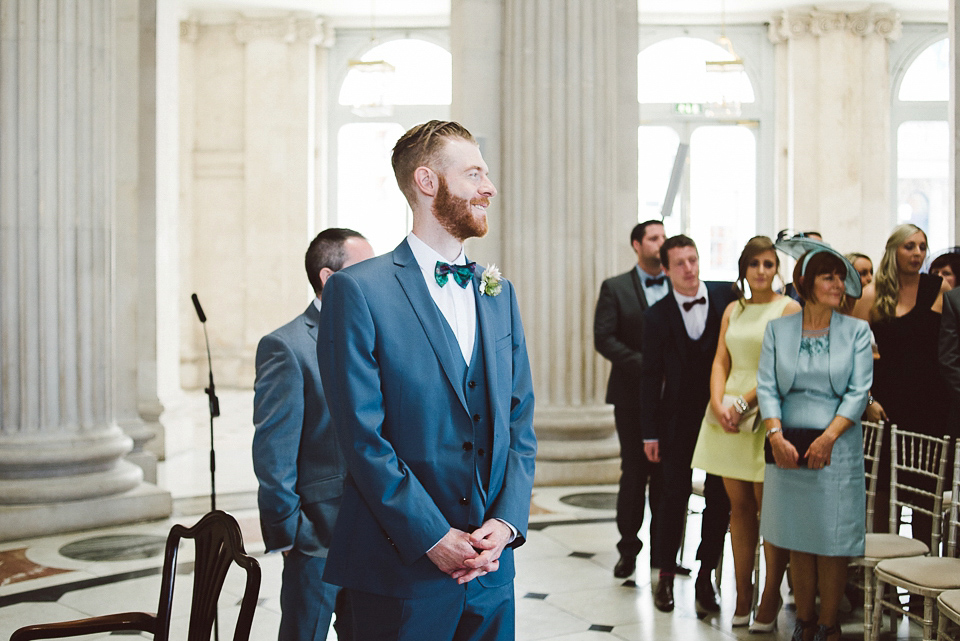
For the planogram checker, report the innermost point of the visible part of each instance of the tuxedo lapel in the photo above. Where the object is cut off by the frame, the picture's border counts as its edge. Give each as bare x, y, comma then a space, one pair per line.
679, 329
638, 288
431, 320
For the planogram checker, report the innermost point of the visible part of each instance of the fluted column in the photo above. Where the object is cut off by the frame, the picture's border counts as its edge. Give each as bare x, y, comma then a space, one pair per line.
833, 123
61, 451
953, 24
568, 199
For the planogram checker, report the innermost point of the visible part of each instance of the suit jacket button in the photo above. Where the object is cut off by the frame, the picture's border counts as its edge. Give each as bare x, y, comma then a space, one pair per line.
476, 418
464, 500
467, 446
472, 384
480, 451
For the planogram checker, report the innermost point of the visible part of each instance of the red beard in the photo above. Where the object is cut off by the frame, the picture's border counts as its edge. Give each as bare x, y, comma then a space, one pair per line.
456, 215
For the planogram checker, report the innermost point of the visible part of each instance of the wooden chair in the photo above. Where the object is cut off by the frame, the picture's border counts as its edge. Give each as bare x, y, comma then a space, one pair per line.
923, 576
872, 446
219, 544
948, 609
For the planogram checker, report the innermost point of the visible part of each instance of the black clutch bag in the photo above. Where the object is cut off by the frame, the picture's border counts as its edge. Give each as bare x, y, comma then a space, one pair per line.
799, 437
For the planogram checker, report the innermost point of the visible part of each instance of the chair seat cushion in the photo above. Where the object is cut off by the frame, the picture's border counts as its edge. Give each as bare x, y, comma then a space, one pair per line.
892, 546
949, 603
933, 572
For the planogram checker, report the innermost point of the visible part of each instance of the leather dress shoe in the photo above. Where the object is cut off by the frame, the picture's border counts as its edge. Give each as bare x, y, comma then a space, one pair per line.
663, 596
625, 567
706, 594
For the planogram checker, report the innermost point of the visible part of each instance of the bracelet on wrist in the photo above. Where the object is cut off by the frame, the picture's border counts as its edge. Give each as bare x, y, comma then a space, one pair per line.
773, 431
741, 404
870, 399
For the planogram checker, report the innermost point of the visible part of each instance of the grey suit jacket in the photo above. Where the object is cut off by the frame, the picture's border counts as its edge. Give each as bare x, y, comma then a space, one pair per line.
296, 457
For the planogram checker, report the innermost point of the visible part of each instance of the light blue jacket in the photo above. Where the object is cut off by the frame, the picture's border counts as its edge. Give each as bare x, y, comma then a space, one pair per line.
851, 364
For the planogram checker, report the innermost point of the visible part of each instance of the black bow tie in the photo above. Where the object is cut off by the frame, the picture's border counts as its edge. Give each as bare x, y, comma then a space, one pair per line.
690, 304
651, 282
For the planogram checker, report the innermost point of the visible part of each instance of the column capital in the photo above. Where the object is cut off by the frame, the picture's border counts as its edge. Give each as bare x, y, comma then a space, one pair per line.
792, 23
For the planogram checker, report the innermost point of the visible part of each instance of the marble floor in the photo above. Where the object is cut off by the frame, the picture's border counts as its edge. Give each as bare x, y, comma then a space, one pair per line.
565, 587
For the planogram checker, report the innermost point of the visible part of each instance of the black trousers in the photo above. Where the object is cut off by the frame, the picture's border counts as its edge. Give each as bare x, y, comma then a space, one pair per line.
677, 477
637, 474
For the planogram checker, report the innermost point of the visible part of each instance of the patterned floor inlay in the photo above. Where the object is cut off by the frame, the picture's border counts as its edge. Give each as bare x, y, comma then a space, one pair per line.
16, 567
592, 500
601, 628
117, 547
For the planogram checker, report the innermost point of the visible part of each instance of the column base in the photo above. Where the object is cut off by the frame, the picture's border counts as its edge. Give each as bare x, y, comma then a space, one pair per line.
143, 503
576, 446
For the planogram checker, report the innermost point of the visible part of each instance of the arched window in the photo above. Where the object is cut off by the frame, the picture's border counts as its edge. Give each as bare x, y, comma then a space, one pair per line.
713, 120
371, 112
921, 141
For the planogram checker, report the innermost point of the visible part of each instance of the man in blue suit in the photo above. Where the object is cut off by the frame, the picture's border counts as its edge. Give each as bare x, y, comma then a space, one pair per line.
295, 453
425, 366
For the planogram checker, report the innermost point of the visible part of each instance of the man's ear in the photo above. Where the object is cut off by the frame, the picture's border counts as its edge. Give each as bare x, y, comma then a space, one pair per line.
426, 180
325, 273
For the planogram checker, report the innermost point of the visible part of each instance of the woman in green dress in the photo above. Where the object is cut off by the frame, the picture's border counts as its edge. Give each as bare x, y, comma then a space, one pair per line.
728, 446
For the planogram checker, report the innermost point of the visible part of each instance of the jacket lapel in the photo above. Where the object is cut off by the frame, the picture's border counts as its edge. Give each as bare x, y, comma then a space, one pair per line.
839, 370
679, 329
487, 315
431, 320
311, 320
638, 287
790, 344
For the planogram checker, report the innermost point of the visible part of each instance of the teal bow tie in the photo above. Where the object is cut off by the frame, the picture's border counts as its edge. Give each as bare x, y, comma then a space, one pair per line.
461, 273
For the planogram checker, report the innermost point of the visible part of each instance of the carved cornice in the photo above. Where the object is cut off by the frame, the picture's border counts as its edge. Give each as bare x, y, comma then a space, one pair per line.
245, 29
793, 24
190, 30
285, 29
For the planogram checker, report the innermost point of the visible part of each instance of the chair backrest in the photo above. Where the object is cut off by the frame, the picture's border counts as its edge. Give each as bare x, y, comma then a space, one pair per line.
915, 458
953, 520
218, 544
872, 445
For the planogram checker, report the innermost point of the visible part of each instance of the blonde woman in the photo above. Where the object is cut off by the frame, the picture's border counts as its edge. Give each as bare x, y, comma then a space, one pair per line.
903, 307
728, 446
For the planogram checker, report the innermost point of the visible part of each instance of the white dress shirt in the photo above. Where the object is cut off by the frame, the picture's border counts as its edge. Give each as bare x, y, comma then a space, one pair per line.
694, 320
652, 293
457, 304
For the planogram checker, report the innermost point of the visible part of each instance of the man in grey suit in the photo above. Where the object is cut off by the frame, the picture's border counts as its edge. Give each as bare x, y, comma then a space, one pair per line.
295, 454
617, 335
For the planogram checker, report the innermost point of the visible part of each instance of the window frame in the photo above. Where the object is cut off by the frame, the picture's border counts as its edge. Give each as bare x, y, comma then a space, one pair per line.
904, 52
352, 44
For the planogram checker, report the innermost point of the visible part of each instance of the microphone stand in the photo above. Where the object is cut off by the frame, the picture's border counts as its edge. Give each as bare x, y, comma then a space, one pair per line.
214, 406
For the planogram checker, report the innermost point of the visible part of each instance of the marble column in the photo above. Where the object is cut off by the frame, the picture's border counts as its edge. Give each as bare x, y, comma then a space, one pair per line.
568, 198
953, 24
833, 123
61, 450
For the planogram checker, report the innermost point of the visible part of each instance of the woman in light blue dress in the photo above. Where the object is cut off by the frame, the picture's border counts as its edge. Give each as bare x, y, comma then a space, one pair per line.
815, 373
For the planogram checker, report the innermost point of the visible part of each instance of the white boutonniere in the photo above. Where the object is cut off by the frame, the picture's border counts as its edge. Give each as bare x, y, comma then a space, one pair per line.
490, 281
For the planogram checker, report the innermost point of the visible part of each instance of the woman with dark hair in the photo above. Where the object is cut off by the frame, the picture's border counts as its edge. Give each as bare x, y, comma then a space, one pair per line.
812, 386
903, 307
947, 267
728, 446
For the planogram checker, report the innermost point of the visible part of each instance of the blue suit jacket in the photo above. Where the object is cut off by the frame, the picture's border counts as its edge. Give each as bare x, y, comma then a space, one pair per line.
400, 413
295, 452
851, 364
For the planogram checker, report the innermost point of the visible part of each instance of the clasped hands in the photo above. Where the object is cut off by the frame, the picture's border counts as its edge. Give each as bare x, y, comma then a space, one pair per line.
465, 556
818, 454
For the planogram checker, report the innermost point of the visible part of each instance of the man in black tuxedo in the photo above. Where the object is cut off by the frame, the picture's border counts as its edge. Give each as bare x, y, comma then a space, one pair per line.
680, 336
617, 328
